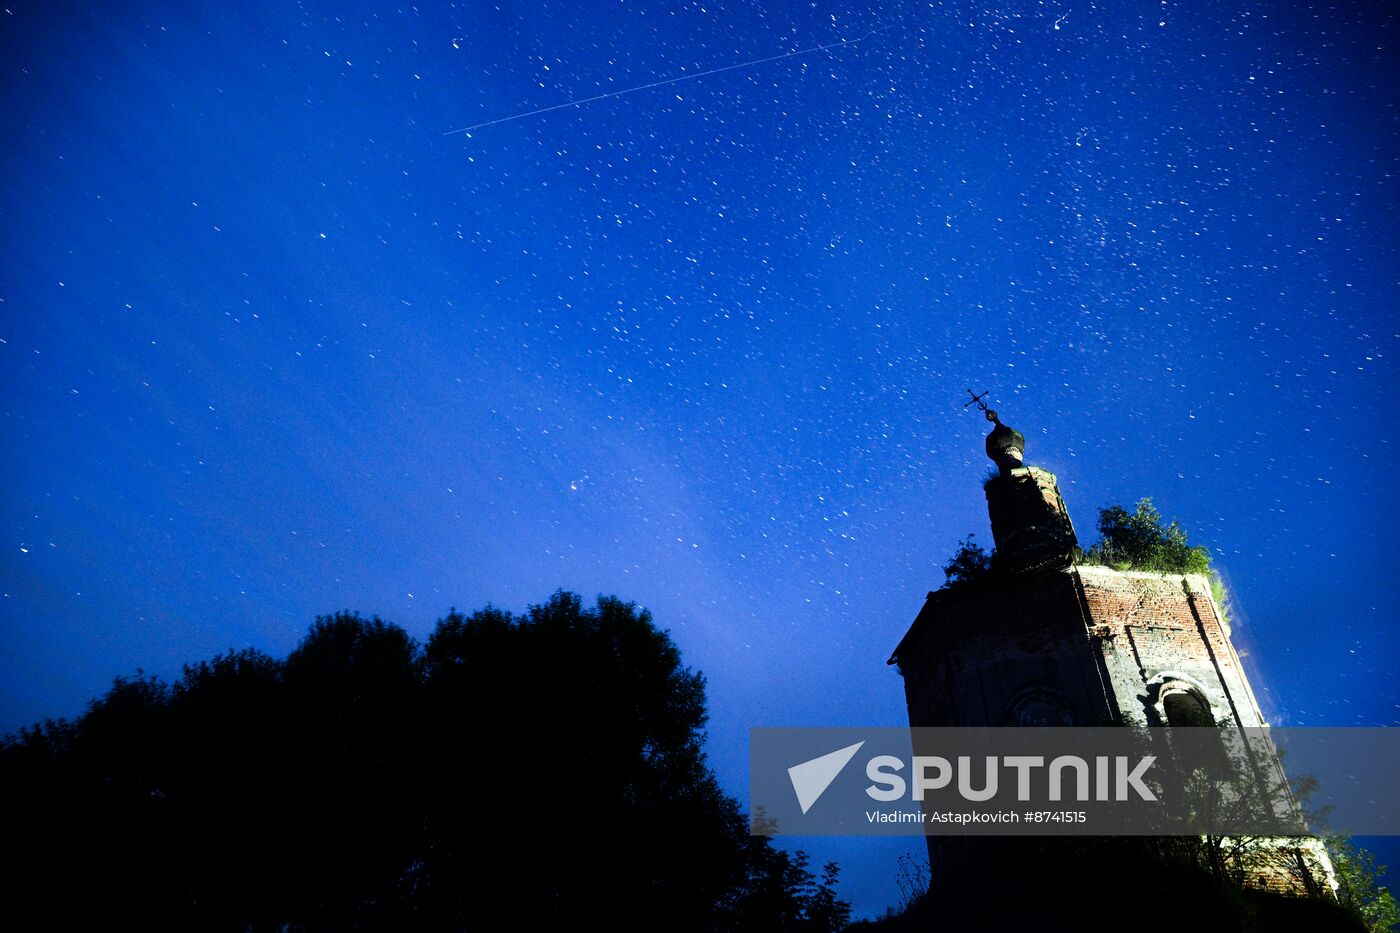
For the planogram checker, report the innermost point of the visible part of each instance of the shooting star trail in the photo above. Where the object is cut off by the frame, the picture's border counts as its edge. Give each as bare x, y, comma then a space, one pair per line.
662, 83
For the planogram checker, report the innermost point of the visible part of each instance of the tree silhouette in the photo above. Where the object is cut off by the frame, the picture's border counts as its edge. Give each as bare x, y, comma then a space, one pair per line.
544, 771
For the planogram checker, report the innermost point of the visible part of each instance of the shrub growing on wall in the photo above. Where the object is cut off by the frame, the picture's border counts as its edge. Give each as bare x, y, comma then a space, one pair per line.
1139, 540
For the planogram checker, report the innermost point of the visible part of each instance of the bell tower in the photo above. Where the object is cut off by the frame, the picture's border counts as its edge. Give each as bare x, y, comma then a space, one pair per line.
1030, 523
1043, 639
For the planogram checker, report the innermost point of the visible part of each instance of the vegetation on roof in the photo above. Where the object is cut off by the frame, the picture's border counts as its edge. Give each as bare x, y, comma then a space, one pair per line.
1139, 540
968, 563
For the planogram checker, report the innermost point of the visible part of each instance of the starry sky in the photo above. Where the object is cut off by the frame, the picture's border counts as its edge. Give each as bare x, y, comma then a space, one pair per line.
277, 339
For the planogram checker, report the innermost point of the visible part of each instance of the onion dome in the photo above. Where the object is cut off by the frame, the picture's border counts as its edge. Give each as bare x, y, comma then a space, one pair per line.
1005, 445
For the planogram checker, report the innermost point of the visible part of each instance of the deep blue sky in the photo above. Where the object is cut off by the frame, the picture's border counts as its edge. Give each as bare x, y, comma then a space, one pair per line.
274, 345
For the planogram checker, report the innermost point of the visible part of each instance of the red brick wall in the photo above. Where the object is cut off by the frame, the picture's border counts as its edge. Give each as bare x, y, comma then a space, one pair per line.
1101, 641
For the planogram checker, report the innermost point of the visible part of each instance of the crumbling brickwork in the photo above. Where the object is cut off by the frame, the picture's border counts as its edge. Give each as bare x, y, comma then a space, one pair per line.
1154, 633
1075, 645
1088, 645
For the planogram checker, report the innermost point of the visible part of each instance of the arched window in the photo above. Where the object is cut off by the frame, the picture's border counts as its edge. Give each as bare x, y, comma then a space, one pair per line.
1039, 707
1177, 699
1184, 706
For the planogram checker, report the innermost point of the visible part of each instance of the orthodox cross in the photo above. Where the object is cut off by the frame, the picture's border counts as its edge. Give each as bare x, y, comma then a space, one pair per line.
979, 401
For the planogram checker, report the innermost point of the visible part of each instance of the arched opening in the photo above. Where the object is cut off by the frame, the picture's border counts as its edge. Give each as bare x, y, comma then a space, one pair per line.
1039, 707
1183, 707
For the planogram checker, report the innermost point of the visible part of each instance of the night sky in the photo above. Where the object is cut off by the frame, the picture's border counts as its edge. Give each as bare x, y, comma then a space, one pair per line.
277, 342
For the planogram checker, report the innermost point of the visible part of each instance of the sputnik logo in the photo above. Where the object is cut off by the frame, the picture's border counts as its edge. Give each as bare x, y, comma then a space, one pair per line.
811, 778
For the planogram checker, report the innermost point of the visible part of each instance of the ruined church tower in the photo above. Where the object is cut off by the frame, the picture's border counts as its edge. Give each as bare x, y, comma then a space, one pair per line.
1041, 639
